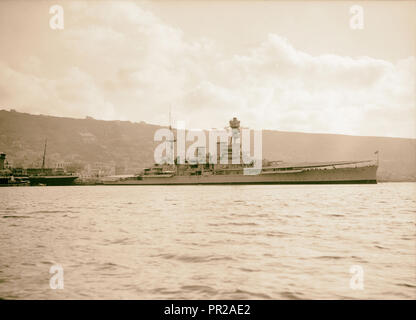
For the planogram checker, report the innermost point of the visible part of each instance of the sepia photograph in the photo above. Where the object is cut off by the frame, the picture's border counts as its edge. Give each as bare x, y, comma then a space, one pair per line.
233, 151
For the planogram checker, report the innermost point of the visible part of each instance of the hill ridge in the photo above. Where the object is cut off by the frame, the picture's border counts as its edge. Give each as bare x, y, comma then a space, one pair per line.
127, 146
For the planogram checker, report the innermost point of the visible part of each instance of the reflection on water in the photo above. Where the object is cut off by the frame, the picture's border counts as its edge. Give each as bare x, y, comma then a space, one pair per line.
209, 242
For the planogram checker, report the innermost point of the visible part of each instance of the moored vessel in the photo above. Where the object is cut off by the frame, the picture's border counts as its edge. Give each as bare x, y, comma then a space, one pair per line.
270, 172
48, 176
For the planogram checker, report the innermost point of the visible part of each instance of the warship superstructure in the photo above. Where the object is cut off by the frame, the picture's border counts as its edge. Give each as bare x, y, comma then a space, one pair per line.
270, 172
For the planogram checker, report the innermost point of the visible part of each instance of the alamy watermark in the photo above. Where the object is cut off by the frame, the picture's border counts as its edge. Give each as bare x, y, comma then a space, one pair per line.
220, 143
56, 22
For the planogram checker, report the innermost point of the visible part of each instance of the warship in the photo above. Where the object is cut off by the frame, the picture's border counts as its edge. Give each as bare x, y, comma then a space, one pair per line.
271, 172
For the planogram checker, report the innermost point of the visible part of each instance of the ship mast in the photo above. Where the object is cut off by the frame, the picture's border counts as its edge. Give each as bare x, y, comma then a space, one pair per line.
171, 148
44, 155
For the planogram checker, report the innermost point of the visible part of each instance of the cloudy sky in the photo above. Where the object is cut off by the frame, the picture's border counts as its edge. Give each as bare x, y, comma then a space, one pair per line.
293, 66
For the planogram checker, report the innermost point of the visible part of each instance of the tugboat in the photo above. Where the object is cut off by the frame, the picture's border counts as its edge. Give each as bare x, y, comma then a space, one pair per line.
48, 176
271, 172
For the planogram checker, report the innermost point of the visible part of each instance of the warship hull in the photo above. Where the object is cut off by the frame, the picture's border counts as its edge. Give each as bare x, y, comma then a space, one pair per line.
358, 175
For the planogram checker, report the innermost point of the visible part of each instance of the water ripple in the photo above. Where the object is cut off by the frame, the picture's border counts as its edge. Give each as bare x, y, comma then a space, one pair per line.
199, 242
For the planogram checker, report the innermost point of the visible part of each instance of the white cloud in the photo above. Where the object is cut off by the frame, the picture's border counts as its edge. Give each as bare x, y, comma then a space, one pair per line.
122, 62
